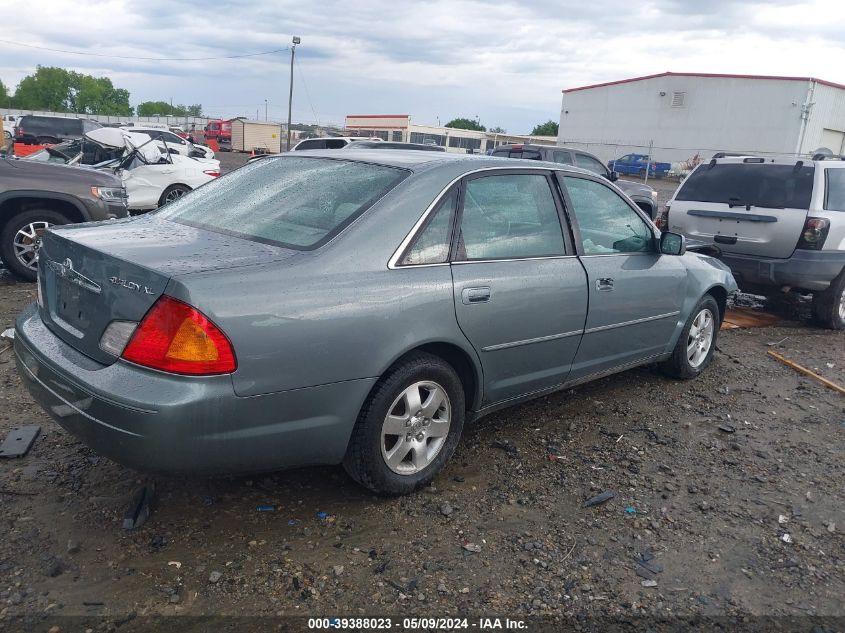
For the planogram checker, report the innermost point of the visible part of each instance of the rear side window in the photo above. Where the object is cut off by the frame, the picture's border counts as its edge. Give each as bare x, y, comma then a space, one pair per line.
509, 216
315, 144
299, 203
834, 197
757, 184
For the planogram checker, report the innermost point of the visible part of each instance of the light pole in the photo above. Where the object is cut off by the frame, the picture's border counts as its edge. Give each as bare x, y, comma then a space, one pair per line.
265, 110
296, 40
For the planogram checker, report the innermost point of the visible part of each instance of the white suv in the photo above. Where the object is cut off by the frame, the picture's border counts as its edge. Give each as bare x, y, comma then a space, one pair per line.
780, 222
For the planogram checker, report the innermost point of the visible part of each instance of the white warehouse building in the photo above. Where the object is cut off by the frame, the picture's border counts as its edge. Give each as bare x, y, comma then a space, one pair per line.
679, 115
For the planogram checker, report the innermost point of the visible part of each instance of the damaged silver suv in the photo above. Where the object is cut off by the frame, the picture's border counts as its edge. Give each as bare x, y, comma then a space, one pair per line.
780, 223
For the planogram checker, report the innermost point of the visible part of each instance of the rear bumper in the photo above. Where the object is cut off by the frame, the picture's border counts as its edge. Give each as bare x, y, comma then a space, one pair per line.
808, 270
157, 422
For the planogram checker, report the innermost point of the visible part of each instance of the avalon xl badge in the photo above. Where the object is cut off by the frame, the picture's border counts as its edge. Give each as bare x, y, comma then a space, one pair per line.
65, 271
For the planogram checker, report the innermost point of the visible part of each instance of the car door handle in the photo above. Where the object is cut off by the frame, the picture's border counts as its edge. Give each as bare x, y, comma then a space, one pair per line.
604, 284
475, 295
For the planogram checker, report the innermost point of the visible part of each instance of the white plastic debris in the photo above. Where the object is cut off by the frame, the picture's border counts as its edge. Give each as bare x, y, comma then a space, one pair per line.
649, 583
782, 518
175, 563
8, 334
786, 538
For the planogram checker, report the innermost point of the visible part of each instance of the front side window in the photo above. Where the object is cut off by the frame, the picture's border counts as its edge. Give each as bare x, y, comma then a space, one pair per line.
834, 199
431, 245
591, 164
297, 203
509, 216
606, 222
756, 184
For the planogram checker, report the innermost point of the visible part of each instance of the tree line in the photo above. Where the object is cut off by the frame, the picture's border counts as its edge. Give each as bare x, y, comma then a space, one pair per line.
55, 89
549, 128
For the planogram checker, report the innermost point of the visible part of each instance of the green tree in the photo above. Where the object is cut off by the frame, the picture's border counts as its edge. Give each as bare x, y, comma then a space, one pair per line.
60, 90
497, 130
162, 108
466, 124
549, 128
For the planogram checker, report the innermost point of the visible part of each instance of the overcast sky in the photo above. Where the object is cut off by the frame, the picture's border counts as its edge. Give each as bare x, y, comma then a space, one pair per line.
503, 61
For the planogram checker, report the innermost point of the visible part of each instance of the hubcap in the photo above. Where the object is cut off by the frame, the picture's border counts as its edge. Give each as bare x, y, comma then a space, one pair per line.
700, 338
174, 195
415, 428
26, 243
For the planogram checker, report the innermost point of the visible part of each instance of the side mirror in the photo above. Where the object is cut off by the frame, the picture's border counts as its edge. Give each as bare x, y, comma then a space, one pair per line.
613, 177
673, 244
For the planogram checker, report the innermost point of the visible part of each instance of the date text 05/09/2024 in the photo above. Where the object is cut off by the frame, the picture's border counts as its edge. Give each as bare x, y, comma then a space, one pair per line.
410, 624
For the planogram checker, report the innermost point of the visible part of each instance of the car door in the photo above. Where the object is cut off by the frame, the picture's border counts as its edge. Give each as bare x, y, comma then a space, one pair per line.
635, 292
520, 293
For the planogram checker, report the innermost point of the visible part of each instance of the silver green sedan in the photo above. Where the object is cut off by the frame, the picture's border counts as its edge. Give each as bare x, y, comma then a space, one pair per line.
314, 308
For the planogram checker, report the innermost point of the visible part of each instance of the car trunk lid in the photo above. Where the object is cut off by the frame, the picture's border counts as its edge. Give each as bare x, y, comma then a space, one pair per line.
750, 208
93, 274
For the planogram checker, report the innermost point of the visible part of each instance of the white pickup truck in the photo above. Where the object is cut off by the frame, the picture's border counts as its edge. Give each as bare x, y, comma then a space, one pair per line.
9, 123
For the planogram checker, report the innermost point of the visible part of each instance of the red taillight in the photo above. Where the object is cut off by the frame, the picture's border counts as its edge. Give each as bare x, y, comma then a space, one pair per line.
176, 338
213, 173
516, 147
814, 234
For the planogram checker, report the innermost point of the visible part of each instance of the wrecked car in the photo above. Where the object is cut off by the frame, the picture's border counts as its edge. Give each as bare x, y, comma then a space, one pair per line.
151, 174
354, 307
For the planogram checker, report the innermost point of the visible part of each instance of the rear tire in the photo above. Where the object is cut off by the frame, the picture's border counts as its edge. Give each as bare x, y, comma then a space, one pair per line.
694, 350
829, 306
392, 464
173, 192
19, 241
47, 140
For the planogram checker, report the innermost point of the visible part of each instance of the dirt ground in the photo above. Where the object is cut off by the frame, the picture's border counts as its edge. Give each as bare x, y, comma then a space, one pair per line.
709, 477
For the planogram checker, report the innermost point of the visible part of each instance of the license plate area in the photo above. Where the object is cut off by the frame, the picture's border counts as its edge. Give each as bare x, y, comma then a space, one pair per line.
70, 307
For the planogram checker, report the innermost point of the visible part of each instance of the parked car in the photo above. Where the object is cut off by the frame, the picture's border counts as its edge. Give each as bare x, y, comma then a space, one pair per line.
152, 175
9, 122
778, 221
175, 143
37, 195
635, 165
332, 142
321, 308
45, 130
643, 196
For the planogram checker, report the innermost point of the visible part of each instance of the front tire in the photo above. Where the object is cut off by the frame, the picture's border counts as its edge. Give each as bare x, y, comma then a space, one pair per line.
408, 428
20, 240
694, 350
829, 306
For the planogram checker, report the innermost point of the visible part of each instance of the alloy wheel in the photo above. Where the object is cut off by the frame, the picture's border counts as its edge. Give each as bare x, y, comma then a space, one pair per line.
700, 337
175, 194
27, 241
416, 427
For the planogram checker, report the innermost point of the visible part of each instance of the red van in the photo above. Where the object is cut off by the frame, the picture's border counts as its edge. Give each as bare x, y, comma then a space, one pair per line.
220, 131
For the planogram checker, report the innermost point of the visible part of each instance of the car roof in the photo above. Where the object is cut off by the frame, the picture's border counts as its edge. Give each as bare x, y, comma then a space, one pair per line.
416, 160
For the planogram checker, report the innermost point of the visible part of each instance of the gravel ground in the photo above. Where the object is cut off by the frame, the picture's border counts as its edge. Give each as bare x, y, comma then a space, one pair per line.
709, 478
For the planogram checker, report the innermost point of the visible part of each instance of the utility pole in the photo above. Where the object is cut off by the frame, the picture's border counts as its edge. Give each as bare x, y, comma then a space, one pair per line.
296, 40
265, 110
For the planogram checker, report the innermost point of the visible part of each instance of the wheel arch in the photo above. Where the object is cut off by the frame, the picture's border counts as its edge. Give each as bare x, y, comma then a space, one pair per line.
15, 202
465, 364
720, 294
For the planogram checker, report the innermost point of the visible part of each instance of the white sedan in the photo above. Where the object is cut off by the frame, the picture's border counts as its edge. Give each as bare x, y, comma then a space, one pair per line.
152, 176
173, 142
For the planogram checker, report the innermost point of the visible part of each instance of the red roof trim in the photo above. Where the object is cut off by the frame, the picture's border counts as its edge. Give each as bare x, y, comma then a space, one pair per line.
376, 127
713, 75
378, 116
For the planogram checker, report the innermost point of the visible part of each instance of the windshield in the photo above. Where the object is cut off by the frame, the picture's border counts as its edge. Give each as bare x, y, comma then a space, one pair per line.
755, 184
298, 203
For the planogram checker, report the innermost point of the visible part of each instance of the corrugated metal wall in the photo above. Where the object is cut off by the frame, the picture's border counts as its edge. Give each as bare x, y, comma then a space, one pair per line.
826, 121
256, 135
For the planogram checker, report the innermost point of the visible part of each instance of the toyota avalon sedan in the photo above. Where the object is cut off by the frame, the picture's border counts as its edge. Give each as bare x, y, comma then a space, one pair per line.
357, 307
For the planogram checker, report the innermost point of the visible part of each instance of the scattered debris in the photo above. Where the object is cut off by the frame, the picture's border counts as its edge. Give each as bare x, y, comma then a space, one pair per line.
265, 508
338, 570
600, 498
807, 372
782, 519
293, 521
214, 577
649, 583
19, 440
174, 563
780, 342
8, 334
446, 509
727, 428
505, 445
630, 510
786, 538
472, 547
141, 507
831, 527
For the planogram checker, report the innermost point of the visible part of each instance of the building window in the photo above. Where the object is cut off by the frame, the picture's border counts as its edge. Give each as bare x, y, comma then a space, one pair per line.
679, 99
428, 139
464, 142
397, 137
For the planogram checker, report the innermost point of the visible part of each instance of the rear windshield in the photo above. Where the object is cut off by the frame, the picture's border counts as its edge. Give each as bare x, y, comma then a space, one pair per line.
834, 199
757, 184
298, 203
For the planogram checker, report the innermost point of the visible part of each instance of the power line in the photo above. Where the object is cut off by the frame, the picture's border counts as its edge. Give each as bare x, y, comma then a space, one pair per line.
149, 59
307, 93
